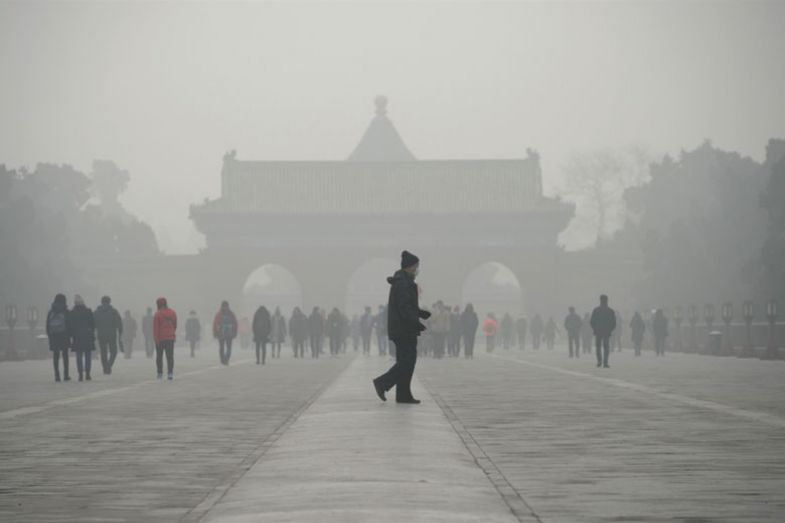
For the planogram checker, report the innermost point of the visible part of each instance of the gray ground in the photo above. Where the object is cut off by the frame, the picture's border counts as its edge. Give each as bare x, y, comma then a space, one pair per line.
513, 436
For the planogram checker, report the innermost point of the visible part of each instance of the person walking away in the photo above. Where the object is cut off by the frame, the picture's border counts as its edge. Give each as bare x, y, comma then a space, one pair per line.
637, 328
522, 326
659, 328
489, 327
262, 328
586, 334
225, 331
57, 332
164, 334
603, 323
278, 333
573, 324
551, 330
109, 327
129, 334
381, 331
334, 331
298, 331
469, 324
367, 321
147, 332
454, 336
536, 328
315, 331
81, 330
403, 327
193, 332
440, 328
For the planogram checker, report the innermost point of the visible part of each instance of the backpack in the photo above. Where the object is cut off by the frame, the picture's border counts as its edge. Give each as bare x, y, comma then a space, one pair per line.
226, 327
57, 323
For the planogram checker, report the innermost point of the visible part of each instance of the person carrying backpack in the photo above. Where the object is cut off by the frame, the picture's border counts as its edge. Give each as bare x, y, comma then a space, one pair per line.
59, 339
225, 330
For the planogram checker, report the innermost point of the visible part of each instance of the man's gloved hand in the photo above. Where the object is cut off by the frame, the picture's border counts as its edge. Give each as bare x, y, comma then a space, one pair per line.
425, 314
122, 349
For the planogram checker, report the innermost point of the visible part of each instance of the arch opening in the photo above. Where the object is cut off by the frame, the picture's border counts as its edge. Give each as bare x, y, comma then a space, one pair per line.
493, 287
367, 286
273, 286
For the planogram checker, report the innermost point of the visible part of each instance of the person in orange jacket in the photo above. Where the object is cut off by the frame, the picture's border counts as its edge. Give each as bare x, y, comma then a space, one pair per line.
489, 327
164, 334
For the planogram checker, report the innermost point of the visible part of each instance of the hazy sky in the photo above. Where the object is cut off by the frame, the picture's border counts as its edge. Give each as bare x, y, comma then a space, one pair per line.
164, 89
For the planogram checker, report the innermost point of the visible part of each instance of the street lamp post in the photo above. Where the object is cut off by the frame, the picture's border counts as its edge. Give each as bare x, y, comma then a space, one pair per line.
749, 314
678, 318
693, 319
708, 316
10, 320
32, 322
727, 318
772, 350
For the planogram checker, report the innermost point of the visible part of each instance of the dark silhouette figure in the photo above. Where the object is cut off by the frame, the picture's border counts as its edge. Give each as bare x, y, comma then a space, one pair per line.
278, 333
367, 321
659, 328
316, 331
225, 331
57, 332
129, 334
603, 323
298, 331
109, 327
165, 334
354, 330
536, 327
550, 333
469, 324
380, 323
454, 336
572, 324
262, 327
522, 327
334, 329
637, 328
81, 328
147, 333
403, 328
439, 328
193, 331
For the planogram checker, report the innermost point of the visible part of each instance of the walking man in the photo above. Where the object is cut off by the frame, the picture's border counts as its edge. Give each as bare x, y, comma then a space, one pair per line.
109, 327
603, 322
403, 328
572, 324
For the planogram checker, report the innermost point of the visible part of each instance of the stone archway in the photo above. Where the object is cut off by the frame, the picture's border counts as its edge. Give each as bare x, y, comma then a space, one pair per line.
493, 287
367, 285
274, 286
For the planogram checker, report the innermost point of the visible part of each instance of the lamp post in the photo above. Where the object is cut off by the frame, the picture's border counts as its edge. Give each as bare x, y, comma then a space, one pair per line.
693, 319
10, 320
727, 318
32, 322
678, 318
772, 311
708, 317
748, 312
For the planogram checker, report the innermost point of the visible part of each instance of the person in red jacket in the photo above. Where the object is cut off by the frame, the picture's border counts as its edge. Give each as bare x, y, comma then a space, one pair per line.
164, 329
225, 330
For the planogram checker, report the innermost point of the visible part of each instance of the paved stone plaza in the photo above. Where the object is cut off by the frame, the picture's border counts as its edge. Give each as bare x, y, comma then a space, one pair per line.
513, 436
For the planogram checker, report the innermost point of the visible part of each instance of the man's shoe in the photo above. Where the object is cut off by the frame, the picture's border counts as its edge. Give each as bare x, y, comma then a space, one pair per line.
410, 401
57, 379
379, 390
67, 378
160, 376
81, 378
88, 378
606, 366
599, 364
170, 376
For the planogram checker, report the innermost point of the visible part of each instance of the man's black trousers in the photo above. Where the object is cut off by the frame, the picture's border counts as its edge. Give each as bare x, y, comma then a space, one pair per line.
400, 374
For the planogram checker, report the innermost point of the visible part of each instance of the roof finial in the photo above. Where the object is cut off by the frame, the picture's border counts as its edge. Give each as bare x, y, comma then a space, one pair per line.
381, 105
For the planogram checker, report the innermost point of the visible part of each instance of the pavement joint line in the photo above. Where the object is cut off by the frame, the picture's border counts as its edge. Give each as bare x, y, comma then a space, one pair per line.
35, 409
760, 417
200, 511
519, 507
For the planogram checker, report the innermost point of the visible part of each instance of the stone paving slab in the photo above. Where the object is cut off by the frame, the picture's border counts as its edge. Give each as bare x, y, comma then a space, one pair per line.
349, 457
584, 449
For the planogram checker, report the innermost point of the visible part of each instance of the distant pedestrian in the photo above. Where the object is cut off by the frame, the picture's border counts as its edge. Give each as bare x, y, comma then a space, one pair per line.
298, 332
616, 337
81, 328
57, 332
244, 332
587, 336
454, 336
603, 323
506, 330
354, 328
637, 328
225, 331
262, 328
367, 321
489, 327
573, 324
469, 324
278, 333
660, 331
165, 334
551, 330
193, 331
316, 332
440, 327
109, 328
380, 324
522, 327
333, 329
403, 328
147, 333
129, 334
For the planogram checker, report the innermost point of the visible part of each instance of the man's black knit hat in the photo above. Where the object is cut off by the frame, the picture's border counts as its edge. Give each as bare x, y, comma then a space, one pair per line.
408, 259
